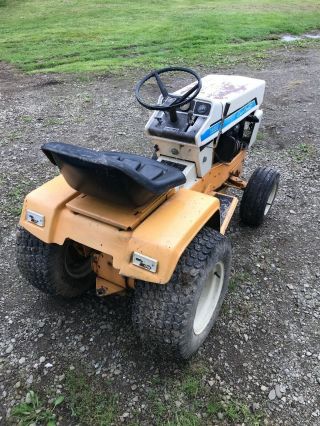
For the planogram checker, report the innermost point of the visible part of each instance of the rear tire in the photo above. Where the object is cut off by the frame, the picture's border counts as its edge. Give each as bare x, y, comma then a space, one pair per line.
259, 196
55, 270
178, 316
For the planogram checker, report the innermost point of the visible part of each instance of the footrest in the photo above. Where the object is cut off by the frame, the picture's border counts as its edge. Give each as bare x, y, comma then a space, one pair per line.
228, 203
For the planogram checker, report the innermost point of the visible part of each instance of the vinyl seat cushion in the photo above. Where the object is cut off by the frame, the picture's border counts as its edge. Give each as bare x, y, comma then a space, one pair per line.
120, 176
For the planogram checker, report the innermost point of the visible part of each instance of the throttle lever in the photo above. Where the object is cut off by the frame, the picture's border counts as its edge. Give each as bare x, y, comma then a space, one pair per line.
191, 118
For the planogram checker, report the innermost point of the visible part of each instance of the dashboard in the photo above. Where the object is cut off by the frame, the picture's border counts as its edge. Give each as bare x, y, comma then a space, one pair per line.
190, 118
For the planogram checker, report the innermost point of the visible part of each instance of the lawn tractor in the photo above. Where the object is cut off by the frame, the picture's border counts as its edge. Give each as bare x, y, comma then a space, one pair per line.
119, 221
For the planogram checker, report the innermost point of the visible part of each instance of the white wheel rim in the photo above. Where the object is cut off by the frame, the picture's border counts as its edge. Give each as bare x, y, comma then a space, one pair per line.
271, 198
209, 298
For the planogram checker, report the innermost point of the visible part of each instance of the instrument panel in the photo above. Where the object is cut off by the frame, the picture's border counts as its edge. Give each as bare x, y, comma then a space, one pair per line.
197, 108
190, 118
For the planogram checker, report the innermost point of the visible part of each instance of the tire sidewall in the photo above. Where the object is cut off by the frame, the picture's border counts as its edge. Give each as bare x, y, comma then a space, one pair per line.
256, 194
42, 266
264, 200
191, 341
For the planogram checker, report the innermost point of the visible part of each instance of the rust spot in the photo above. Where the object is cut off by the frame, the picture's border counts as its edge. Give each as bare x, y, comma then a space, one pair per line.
226, 89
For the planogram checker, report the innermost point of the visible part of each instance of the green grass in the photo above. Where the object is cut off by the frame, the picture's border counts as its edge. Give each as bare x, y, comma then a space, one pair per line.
238, 278
191, 386
109, 35
88, 402
90, 406
176, 401
184, 418
33, 411
14, 199
26, 118
189, 395
234, 412
302, 152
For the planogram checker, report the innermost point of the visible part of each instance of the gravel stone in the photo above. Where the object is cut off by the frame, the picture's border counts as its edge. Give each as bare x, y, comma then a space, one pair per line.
272, 395
9, 349
278, 391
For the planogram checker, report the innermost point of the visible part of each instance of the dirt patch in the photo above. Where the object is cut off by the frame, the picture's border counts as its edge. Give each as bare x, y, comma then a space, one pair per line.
264, 351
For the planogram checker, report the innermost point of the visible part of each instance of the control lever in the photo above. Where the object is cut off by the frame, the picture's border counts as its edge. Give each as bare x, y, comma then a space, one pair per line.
224, 115
191, 118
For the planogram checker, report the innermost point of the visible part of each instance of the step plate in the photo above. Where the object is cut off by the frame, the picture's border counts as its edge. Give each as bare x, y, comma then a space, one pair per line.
228, 203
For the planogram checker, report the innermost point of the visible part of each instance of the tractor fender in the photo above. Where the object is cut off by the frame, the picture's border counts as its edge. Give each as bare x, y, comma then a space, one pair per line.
164, 235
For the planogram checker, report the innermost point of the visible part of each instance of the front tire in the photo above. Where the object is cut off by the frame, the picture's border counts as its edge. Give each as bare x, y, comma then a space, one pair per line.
259, 196
178, 316
55, 270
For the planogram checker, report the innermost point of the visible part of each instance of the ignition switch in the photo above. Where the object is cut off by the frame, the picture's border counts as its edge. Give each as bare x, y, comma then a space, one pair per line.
174, 151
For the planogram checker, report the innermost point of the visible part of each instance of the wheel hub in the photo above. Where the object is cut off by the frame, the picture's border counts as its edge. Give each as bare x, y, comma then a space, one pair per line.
271, 198
76, 264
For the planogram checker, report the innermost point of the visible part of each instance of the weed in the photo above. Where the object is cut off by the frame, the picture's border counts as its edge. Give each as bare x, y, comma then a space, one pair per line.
214, 407
184, 418
301, 152
198, 368
238, 278
260, 136
14, 210
26, 118
159, 409
156, 380
184, 400
232, 285
234, 412
191, 386
14, 199
152, 394
90, 406
53, 121
32, 411
87, 98
79, 120
12, 136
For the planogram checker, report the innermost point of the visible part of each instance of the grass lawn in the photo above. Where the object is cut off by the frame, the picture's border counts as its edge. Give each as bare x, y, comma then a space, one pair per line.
110, 35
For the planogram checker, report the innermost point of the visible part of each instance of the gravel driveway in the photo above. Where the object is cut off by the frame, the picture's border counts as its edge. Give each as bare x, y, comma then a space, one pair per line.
264, 352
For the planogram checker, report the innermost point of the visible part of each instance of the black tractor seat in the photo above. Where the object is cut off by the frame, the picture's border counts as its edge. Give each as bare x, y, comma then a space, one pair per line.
117, 176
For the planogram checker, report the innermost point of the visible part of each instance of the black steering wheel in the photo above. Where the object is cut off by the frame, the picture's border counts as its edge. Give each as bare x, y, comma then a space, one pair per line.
170, 102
